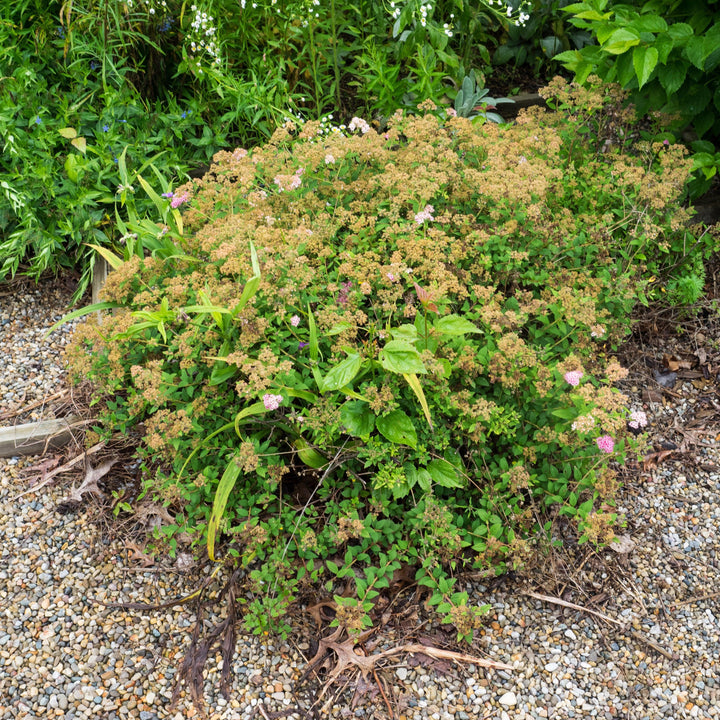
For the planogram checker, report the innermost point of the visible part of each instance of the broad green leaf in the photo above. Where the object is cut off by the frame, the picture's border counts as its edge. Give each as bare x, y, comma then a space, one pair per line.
110, 257
455, 325
397, 427
343, 373
620, 41
644, 60
401, 357
695, 51
68, 132
424, 480
663, 44
358, 419
649, 24
80, 143
339, 328
680, 33
414, 383
444, 474
408, 333
672, 77
224, 488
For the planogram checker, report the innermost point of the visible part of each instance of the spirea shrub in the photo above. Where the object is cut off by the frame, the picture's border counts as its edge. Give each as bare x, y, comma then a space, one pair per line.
382, 351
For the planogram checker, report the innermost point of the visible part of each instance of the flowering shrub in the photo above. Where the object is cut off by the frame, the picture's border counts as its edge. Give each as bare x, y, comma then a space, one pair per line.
389, 359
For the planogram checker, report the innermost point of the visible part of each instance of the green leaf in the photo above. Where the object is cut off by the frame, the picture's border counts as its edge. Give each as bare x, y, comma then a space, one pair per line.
398, 428
95, 307
401, 357
68, 132
695, 52
311, 457
224, 488
343, 373
257, 408
358, 419
313, 344
672, 77
408, 333
414, 383
649, 23
424, 480
620, 41
110, 257
644, 60
680, 32
455, 325
444, 474
221, 374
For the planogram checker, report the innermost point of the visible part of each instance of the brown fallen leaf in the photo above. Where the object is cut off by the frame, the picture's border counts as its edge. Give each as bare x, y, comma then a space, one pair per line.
654, 459
674, 362
90, 482
622, 544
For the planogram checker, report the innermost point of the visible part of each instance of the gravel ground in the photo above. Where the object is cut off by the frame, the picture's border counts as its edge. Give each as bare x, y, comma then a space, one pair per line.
63, 655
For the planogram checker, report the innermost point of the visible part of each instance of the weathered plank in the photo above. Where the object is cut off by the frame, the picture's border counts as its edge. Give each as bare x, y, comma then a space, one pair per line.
33, 438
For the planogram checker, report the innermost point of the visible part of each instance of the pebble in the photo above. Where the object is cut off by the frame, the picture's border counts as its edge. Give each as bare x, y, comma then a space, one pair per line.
63, 655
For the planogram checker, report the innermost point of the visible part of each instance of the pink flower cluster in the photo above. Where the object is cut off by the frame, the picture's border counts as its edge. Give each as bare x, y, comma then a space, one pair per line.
358, 124
272, 402
638, 419
289, 182
425, 214
573, 377
178, 200
295, 320
606, 444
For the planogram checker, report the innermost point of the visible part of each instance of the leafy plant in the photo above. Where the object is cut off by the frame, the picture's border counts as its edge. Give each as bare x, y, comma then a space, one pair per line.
377, 353
666, 53
472, 101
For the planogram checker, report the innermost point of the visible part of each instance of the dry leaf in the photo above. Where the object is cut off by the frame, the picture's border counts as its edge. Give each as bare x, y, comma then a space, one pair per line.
622, 544
654, 459
90, 483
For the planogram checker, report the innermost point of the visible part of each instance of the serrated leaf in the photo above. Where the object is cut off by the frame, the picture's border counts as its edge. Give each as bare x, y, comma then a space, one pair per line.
644, 61
343, 373
401, 357
444, 474
455, 325
620, 41
672, 77
398, 428
407, 332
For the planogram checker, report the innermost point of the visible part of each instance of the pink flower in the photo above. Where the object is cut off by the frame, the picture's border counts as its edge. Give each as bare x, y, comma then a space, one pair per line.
294, 320
638, 419
425, 214
272, 402
573, 377
178, 200
605, 443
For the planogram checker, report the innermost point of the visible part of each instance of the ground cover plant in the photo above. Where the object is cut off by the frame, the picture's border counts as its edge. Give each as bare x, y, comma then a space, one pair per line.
376, 355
